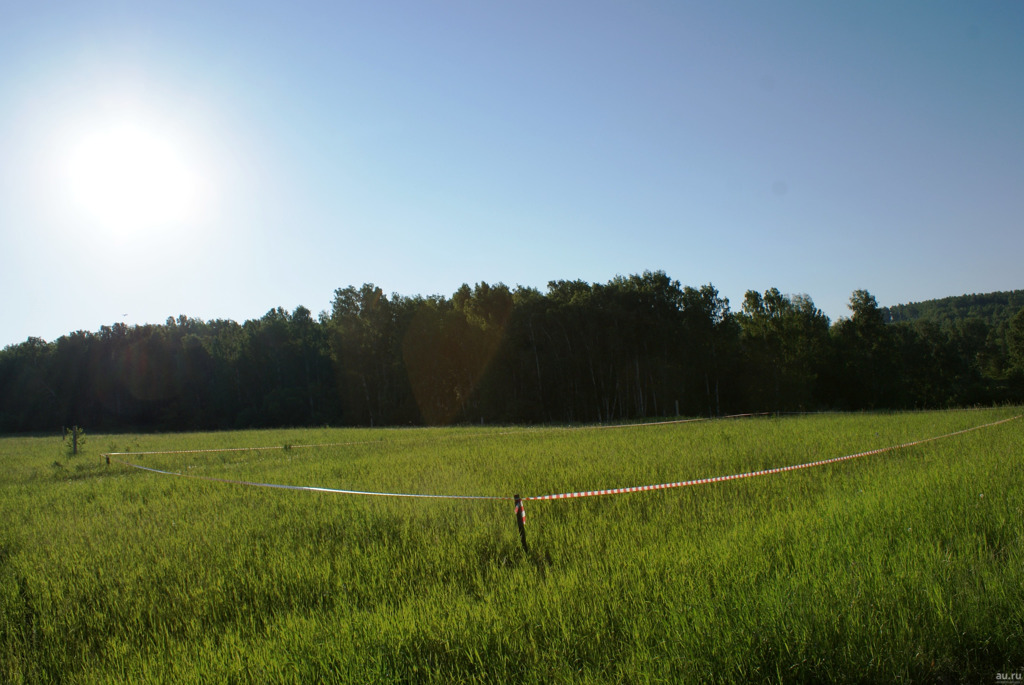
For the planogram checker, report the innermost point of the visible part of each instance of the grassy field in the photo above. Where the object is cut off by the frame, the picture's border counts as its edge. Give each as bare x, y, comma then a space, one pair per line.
903, 566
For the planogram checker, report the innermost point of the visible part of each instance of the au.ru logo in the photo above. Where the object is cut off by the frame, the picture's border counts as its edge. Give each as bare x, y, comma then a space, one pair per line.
1017, 677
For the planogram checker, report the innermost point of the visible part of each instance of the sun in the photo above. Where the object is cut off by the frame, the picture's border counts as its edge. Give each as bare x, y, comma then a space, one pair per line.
127, 177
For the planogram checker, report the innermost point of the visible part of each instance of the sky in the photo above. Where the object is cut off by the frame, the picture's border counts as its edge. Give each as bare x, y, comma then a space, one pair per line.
219, 159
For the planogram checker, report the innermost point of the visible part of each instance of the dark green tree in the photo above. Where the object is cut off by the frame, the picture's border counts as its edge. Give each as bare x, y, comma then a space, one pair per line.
864, 354
1015, 341
709, 337
785, 345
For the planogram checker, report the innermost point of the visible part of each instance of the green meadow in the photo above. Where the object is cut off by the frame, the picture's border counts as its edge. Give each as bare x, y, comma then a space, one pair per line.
902, 566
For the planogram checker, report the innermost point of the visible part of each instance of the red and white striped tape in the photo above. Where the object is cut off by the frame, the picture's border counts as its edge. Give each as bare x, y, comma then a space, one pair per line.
111, 456
752, 474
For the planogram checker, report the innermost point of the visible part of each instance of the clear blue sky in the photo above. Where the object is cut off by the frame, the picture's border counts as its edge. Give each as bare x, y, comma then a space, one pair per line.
218, 160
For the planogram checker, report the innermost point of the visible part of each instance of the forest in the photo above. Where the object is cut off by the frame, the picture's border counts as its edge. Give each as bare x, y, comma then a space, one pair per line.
637, 346
992, 308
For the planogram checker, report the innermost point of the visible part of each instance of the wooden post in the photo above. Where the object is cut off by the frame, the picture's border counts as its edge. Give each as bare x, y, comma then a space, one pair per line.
521, 522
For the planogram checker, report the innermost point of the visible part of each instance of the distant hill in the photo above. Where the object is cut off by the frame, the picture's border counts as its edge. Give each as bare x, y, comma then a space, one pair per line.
993, 308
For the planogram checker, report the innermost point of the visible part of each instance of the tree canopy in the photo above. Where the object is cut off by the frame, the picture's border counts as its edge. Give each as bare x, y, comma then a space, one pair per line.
637, 346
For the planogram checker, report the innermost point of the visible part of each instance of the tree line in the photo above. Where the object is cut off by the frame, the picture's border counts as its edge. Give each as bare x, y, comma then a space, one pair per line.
995, 308
634, 347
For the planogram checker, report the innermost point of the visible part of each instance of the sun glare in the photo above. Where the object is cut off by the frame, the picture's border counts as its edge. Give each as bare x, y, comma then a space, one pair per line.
128, 178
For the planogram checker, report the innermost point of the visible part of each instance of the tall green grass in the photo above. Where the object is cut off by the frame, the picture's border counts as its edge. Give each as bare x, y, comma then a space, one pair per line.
904, 566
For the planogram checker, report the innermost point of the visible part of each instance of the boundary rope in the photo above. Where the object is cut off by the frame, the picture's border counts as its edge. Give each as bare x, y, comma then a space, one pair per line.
763, 472
308, 488
111, 456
